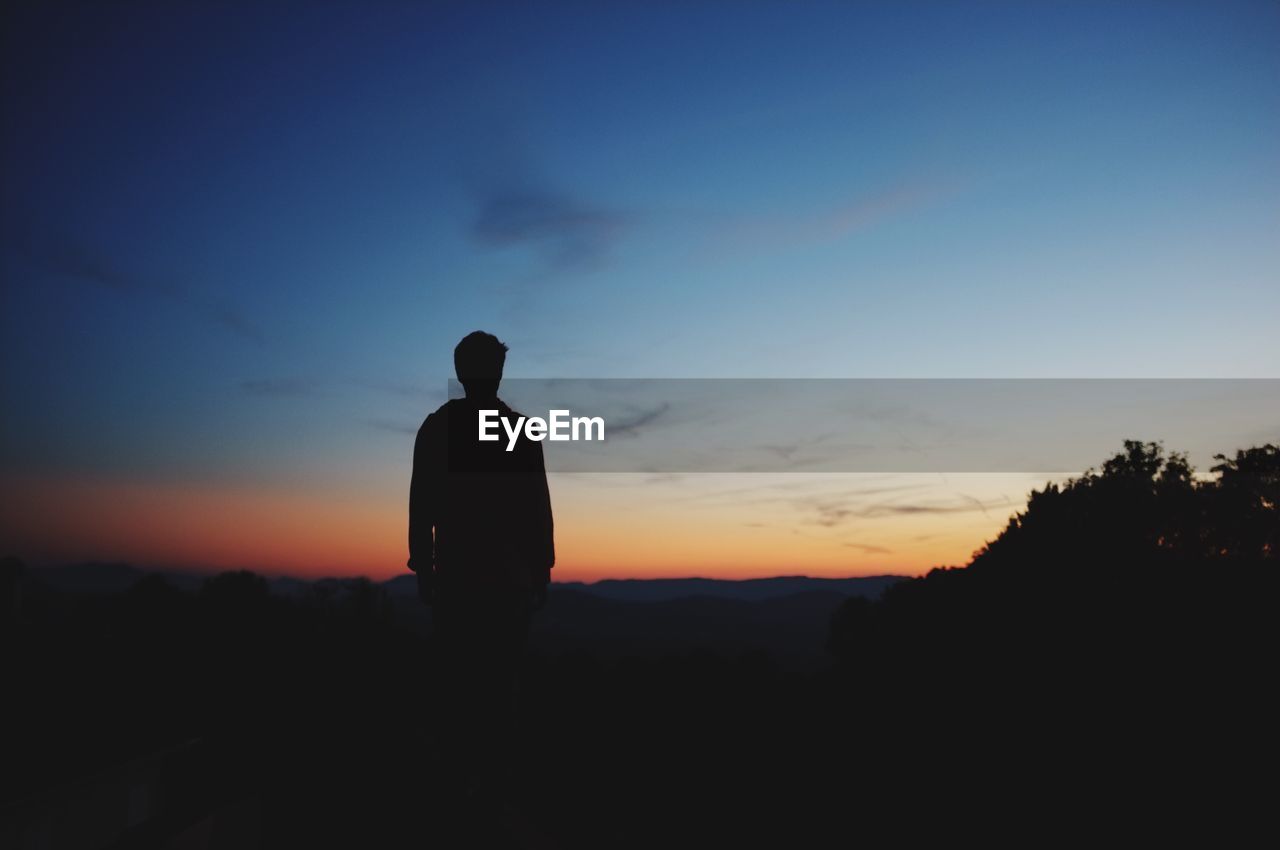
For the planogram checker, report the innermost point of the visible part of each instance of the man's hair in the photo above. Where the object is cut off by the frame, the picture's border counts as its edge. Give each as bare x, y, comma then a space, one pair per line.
479, 357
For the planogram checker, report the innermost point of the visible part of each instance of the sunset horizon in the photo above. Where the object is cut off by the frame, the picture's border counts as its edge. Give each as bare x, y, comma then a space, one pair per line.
232, 294
622, 425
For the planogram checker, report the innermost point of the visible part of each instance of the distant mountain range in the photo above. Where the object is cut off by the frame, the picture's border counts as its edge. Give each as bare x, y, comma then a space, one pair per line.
786, 617
113, 577
747, 590
107, 577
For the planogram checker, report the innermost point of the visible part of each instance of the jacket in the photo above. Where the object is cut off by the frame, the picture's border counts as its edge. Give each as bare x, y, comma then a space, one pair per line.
479, 515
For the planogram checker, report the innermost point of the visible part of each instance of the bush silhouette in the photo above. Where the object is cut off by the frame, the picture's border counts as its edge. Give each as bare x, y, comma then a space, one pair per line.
1140, 565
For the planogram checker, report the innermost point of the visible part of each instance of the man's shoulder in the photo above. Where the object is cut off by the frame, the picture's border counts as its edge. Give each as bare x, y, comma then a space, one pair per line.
436, 418
442, 412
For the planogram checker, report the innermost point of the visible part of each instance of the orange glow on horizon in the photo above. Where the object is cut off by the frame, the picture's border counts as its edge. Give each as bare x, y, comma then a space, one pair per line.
639, 531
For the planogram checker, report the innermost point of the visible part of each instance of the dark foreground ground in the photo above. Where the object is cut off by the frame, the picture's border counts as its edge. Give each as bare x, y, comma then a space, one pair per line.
233, 718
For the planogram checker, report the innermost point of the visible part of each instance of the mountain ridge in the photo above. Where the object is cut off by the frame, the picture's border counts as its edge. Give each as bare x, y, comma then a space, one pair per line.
118, 576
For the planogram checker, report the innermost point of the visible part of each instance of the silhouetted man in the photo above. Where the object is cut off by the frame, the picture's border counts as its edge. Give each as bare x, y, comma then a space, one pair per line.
481, 542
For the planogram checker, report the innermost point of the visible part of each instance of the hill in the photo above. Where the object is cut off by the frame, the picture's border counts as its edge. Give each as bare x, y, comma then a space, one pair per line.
749, 590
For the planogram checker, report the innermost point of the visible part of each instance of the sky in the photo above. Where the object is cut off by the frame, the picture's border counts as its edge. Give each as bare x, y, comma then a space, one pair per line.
241, 241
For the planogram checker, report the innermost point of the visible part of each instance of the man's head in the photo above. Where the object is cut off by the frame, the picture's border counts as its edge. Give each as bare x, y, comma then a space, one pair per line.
478, 360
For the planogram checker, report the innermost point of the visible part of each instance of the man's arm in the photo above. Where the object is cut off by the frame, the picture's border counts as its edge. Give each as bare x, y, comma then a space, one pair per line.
421, 520
544, 552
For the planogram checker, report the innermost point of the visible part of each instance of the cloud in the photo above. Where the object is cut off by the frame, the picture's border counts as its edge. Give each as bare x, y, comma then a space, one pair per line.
869, 549
860, 213
72, 259
831, 513
280, 387
806, 452
832, 223
393, 426
630, 426
833, 510
65, 256
969, 505
570, 233
402, 389
783, 494
229, 316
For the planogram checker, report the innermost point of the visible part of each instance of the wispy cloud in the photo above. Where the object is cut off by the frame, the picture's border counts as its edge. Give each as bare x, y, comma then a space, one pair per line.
629, 426
401, 389
392, 426
281, 387
569, 232
231, 317
830, 510
868, 548
792, 493
861, 211
519, 203
968, 504
72, 259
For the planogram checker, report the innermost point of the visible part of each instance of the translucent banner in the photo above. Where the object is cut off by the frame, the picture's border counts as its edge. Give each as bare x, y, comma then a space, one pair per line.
879, 425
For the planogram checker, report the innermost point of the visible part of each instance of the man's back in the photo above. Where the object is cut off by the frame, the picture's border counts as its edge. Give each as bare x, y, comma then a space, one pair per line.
489, 507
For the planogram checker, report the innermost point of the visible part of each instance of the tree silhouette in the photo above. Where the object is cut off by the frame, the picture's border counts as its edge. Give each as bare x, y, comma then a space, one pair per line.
1141, 546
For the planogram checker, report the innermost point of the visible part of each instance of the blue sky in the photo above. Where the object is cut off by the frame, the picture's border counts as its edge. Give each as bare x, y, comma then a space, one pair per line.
240, 243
